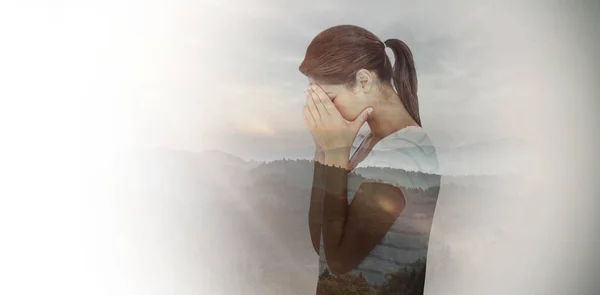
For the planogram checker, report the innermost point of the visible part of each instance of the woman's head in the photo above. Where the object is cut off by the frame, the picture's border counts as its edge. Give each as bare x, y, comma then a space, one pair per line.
351, 65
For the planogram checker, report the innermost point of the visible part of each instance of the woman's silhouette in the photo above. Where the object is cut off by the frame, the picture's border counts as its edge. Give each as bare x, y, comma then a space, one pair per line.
374, 229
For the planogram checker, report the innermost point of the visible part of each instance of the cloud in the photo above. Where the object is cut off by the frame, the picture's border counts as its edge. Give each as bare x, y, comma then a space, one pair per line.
247, 90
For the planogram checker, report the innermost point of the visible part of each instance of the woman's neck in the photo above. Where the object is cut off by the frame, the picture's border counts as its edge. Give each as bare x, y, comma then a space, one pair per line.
389, 116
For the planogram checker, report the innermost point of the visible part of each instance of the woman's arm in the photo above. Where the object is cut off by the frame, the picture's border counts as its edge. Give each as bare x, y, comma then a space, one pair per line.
316, 200
350, 232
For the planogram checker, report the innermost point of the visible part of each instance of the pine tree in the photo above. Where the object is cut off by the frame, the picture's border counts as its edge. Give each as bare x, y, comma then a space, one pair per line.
407, 281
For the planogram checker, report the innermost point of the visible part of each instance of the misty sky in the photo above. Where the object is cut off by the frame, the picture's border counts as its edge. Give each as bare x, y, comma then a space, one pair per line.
238, 88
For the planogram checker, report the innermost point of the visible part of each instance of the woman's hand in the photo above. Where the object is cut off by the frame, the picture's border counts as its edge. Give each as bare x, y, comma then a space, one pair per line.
329, 129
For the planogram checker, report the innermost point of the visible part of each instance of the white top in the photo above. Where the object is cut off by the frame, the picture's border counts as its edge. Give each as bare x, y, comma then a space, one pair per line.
406, 159
409, 149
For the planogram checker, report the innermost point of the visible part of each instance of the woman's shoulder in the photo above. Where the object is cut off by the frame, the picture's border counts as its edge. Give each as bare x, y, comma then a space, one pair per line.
409, 149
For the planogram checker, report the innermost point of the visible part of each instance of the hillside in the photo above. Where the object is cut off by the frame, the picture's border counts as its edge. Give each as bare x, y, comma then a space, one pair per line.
254, 216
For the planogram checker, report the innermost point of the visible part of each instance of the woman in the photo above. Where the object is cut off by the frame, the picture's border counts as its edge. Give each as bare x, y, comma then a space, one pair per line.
372, 229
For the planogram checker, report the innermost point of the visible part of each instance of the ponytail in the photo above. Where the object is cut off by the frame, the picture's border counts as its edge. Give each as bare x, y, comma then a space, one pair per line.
404, 77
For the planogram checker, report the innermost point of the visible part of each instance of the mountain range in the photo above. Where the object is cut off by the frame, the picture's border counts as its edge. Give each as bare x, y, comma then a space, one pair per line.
250, 218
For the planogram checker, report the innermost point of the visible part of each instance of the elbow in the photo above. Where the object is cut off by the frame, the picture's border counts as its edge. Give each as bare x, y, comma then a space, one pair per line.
337, 264
338, 268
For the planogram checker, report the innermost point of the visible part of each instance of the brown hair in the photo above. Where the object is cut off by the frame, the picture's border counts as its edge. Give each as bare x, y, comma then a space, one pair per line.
336, 54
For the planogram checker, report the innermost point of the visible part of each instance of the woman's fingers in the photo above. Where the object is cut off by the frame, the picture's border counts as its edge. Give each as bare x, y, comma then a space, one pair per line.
324, 99
313, 108
308, 118
319, 101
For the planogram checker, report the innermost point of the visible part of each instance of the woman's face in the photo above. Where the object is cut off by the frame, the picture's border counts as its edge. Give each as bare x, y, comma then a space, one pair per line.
348, 102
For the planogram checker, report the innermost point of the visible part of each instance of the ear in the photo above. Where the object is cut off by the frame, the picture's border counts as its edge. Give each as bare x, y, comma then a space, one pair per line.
364, 80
